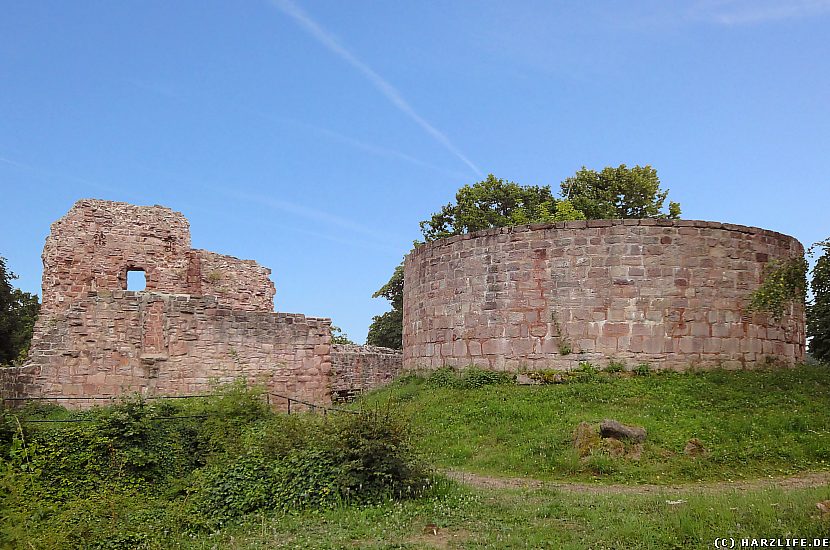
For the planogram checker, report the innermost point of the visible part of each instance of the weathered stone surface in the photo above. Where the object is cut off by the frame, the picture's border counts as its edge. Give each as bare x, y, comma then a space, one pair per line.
671, 294
616, 430
359, 368
586, 438
203, 319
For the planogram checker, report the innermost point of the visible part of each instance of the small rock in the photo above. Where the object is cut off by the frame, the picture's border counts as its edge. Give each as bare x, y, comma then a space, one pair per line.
615, 447
615, 430
694, 448
635, 453
526, 380
586, 438
824, 506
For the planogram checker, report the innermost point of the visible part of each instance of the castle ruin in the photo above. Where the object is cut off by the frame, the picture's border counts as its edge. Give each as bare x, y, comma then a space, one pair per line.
203, 318
671, 293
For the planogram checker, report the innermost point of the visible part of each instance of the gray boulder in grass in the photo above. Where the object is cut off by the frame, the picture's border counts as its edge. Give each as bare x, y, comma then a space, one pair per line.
615, 430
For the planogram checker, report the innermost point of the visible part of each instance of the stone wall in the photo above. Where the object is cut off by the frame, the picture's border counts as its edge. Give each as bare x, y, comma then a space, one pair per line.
94, 245
203, 318
97, 242
670, 293
158, 343
356, 369
238, 284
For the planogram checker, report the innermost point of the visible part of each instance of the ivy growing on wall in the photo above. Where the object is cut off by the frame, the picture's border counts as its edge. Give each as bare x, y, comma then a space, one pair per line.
785, 283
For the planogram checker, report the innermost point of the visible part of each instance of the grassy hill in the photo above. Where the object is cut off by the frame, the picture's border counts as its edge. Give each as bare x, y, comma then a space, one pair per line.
751, 423
226, 472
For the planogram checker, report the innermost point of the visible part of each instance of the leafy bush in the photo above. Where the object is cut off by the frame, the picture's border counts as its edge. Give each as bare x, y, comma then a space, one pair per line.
614, 367
643, 369
586, 368
219, 458
818, 312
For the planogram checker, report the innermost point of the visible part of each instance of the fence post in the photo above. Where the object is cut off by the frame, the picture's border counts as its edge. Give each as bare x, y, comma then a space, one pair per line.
289, 405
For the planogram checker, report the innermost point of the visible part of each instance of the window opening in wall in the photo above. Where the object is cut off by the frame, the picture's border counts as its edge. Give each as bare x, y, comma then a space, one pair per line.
136, 280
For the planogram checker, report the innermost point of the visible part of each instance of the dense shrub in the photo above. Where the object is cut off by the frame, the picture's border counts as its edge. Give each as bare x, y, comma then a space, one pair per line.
219, 458
306, 461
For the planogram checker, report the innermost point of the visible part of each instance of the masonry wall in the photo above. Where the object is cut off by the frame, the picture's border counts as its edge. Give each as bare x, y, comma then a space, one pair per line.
238, 284
670, 293
356, 369
204, 318
157, 343
97, 242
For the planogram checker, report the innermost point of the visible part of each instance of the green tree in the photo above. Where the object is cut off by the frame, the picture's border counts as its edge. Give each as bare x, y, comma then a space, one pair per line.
818, 312
619, 192
387, 329
18, 312
495, 202
339, 337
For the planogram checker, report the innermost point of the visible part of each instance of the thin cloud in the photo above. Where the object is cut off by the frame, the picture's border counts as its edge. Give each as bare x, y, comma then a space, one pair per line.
390, 92
747, 12
312, 214
358, 144
51, 174
379, 151
265, 222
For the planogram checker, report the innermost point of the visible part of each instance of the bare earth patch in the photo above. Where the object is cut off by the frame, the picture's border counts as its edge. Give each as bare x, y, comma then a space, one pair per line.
813, 479
441, 538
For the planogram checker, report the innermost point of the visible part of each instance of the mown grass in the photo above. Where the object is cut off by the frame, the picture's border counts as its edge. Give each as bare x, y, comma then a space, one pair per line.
550, 519
451, 517
752, 423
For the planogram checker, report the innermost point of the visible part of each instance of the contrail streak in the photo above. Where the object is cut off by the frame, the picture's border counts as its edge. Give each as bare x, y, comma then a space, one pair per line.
390, 92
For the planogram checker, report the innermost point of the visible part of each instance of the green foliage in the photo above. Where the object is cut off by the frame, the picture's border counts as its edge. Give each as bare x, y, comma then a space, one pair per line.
468, 379
547, 376
18, 312
386, 330
785, 283
393, 289
619, 192
339, 337
210, 460
586, 367
615, 367
495, 202
818, 312
643, 369
565, 345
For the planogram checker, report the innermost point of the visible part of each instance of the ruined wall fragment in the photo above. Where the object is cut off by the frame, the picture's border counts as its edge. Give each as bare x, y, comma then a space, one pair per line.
204, 318
356, 369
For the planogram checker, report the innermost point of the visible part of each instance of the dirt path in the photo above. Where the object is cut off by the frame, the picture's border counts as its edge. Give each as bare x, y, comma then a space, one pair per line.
814, 479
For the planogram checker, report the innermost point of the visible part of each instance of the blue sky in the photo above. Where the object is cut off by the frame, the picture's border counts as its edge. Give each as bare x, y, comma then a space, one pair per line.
314, 136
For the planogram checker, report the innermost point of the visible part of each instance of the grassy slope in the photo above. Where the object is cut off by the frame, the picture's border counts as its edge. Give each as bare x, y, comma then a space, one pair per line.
754, 424
465, 518
534, 519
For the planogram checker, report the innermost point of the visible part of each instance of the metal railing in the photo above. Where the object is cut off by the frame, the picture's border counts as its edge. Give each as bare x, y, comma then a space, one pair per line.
309, 407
